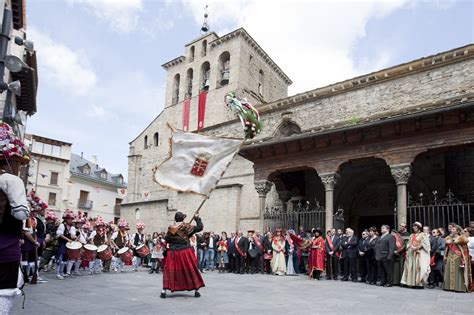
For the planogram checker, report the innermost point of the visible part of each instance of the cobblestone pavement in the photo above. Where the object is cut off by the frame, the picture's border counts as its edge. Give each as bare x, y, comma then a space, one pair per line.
138, 293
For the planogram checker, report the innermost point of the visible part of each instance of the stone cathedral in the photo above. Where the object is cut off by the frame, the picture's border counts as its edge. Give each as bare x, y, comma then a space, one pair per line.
395, 145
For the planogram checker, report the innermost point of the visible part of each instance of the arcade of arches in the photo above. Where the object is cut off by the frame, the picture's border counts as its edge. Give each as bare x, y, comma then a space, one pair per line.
367, 181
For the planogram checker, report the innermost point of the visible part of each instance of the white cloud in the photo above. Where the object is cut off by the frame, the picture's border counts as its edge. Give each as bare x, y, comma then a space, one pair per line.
122, 16
61, 66
311, 41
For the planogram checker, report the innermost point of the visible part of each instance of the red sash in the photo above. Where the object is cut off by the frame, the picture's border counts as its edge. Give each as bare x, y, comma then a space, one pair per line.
398, 241
331, 247
452, 247
259, 245
241, 253
275, 241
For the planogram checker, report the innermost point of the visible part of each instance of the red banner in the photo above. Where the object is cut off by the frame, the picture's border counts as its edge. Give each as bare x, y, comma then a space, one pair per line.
201, 109
186, 106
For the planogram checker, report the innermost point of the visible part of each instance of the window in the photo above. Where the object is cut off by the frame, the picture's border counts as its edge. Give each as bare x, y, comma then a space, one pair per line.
204, 48
47, 149
224, 68
145, 142
191, 54
56, 151
137, 214
52, 199
189, 83
83, 196
205, 74
86, 169
175, 97
103, 175
260, 82
156, 138
54, 178
120, 179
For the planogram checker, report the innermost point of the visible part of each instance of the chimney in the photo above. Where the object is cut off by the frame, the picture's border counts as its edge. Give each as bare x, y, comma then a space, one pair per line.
82, 155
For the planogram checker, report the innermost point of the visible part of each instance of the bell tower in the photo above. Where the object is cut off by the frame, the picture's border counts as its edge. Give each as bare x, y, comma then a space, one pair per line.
214, 65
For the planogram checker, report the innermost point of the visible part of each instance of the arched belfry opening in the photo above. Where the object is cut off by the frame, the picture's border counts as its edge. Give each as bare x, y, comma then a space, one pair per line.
286, 129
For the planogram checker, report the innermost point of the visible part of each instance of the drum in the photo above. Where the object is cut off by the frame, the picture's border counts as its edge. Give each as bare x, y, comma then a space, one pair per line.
73, 250
90, 251
125, 254
104, 252
143, 250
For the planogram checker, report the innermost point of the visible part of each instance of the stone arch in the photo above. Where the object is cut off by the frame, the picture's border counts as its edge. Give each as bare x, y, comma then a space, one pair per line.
286, 129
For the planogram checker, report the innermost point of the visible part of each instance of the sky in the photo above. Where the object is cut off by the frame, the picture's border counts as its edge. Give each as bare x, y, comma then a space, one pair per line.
100, 76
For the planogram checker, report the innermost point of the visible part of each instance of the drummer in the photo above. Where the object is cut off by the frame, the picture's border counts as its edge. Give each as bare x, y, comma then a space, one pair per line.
98, 237
81, 237
66, 233
119, 240
137, 239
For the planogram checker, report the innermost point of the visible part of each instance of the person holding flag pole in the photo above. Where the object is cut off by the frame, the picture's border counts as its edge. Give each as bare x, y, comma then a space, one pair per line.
195, 165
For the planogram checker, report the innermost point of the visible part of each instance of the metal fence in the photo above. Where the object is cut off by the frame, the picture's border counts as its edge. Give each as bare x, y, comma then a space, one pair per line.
439, 213
302, 215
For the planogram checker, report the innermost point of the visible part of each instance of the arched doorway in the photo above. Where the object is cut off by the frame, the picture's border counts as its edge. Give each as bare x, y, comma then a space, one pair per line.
367, 193
301, 196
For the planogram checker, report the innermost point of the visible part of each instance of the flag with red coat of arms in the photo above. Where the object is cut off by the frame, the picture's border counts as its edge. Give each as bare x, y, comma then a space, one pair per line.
196, 162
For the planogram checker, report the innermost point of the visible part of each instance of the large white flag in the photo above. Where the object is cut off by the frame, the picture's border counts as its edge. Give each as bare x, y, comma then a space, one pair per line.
196, 162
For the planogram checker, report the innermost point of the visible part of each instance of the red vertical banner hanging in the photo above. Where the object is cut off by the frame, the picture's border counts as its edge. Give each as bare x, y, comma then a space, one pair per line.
186, 106
201, 109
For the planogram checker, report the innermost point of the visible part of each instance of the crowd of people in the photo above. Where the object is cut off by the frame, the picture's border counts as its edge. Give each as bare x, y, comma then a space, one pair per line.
423, 258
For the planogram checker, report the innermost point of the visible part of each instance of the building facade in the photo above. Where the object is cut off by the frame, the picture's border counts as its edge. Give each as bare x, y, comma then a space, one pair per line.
385, 147
49, 170
19, 72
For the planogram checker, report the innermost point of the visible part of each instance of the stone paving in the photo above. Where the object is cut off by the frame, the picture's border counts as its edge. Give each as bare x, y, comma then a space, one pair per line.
138, 293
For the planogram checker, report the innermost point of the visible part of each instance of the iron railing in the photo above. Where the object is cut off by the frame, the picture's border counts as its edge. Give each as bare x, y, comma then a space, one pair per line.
303, 215
84, 204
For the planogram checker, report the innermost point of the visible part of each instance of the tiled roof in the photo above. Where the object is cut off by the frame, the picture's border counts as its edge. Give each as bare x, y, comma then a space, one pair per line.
77, 167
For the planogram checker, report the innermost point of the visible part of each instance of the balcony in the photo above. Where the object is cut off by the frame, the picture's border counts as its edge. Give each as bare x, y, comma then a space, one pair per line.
117, 211
84, 204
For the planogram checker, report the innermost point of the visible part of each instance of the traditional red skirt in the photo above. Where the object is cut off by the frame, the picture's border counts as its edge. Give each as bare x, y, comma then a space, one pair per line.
180, 271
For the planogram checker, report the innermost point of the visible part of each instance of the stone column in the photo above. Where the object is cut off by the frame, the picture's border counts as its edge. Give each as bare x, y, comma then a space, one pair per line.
329, 180
401, 173
262, 187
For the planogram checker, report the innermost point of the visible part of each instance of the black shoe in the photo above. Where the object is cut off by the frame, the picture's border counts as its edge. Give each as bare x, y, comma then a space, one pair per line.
379, 284
344, 279
335, 278
151, 271
197, 294
387, 285
163, 295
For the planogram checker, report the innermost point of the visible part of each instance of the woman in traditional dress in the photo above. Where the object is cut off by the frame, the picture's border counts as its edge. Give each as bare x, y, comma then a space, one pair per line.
278, 260
316, 255
457, 264
290, 249
417, 262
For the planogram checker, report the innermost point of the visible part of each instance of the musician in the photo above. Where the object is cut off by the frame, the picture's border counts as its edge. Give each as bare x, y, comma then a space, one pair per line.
13, 210
137, 240
66, 233
119, 240
29, 247
349, 255
50, 241
241, 248
333, 254
180, 272
81, 237
98, 237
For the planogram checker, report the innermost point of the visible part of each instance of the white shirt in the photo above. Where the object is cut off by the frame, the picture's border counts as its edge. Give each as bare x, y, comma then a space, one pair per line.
82, 237
211, 242
93, 234
61, 229
116, 233
14, 188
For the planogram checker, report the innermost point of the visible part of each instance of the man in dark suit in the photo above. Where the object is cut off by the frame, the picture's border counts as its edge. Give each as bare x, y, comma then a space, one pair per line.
261, 251
232, 252
349, 254
363, 248
384, 251
332, 245
241, 248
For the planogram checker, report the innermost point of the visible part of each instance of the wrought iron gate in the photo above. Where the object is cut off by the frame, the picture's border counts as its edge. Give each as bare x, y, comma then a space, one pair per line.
440, 212
302, 215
